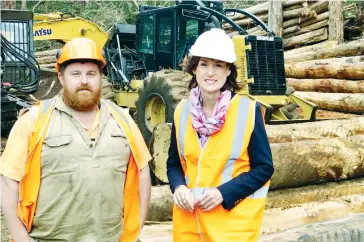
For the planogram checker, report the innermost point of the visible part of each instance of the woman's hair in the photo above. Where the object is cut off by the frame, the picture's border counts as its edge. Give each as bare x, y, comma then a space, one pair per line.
230, 84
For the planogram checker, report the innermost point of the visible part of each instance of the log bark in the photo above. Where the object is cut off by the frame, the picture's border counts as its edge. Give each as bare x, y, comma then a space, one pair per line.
300, 12
44, 69
43, 62
160, 208
347, 49
23, 4
311, 37
256, 9
48, 65
289, 3
263, 8
161, 204
46, 53
342, 128
321, 160
309, 21
291, 30
293, 7
275, 18
312, 27
319, 46
245, 22
291, 22
159, 150
351, 68
320, 6
326, 85
336, 21
46, 58
341, 102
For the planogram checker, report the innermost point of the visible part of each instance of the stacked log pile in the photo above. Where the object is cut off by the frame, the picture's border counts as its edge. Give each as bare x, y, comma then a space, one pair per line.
47, 60
304, 22
331, 76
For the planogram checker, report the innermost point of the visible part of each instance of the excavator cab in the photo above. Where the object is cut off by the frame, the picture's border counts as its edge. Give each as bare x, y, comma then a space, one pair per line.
19, 69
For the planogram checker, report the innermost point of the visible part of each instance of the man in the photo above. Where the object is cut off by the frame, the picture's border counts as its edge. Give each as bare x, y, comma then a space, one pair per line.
75, 167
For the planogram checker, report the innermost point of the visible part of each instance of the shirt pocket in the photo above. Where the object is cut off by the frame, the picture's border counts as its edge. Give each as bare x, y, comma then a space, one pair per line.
120, 150
59, 155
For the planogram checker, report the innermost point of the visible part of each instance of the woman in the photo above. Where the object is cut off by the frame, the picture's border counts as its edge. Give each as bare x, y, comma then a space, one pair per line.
219, 162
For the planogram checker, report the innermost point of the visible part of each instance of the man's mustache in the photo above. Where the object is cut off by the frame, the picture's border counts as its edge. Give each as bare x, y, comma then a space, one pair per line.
84, 88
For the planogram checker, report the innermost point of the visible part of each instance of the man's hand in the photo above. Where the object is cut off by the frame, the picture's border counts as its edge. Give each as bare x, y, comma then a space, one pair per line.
183, 198
210, 199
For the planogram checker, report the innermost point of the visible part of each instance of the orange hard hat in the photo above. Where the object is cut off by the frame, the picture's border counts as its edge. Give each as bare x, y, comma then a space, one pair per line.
80, 48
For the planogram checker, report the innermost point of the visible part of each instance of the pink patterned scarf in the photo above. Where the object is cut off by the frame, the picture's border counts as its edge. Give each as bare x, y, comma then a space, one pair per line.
208, 126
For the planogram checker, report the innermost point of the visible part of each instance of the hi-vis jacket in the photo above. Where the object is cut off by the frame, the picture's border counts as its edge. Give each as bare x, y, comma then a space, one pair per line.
223, 158
30, 182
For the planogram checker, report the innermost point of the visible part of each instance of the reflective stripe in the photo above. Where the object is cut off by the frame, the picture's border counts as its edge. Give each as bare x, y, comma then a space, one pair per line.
185, 111
260, 193
46, 104
117, 109
187, 179
239, 136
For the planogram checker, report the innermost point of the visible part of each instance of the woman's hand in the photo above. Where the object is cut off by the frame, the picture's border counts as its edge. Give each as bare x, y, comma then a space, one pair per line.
209, 200
183, 198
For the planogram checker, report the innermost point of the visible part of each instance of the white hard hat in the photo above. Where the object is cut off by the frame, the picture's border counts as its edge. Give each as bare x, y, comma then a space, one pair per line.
214, 44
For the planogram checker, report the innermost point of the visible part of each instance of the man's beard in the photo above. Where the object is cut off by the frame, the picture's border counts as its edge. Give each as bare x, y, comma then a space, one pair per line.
82, 101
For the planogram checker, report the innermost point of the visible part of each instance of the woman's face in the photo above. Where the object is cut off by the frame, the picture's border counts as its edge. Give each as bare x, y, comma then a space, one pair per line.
211, 74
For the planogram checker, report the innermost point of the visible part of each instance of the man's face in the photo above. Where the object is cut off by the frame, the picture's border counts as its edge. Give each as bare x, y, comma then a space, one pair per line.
81, 84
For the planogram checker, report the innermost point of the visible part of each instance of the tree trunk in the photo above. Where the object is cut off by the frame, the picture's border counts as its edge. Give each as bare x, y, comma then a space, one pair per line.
161, 204
311, 21
336, 21
293, 7
351, 68
159, 150
341, 102
9, 4
160, 208
263, 8
319, 46
275, 19
48, 65
311, 37
312, 27
256, 9
321, 160
320, 6
300, 20
23, 4
291, 30
245, 22
304, 12
347, 49
46, 53
44, 69
326, 85
287, 133
289, 3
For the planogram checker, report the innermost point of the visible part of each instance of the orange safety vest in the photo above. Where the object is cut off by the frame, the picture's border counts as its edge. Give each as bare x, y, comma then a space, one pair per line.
224, 156
30, 182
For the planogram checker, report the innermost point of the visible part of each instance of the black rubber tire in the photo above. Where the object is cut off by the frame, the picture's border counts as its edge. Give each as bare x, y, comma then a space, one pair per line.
170, 86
